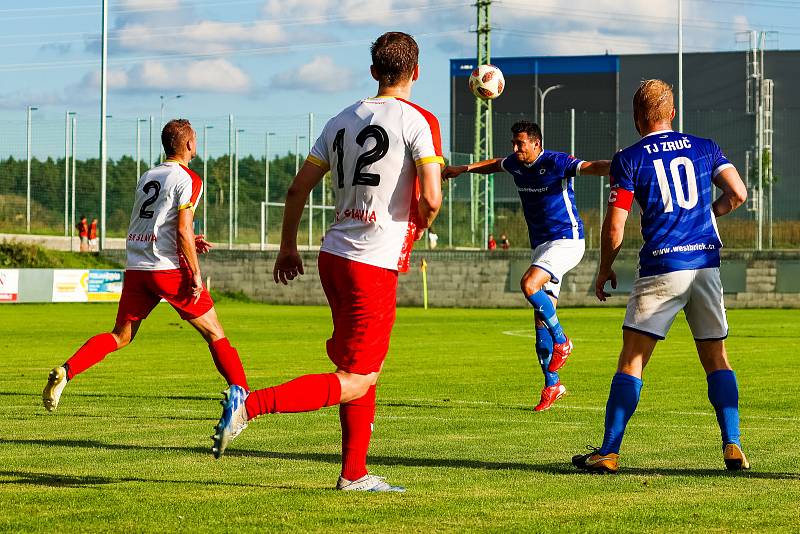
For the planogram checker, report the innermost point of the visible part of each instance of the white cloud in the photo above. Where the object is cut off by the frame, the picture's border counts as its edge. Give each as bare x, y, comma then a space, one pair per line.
202, 37
320, 75
209, 75
150, 4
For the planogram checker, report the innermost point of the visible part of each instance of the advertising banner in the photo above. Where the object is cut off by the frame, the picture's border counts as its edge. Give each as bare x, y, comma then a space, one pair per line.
104, 285
9, 285
70, 285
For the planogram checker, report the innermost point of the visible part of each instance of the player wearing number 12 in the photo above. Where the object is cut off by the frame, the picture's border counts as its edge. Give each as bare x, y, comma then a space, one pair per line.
384, 155
162, 263
671, 175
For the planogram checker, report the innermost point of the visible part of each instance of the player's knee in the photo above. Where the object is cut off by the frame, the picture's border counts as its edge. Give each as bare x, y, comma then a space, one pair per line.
528, 285
355, 386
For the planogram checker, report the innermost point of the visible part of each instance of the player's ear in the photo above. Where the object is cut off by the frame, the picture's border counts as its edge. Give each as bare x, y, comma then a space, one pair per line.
672, 115
415, 74
374, 73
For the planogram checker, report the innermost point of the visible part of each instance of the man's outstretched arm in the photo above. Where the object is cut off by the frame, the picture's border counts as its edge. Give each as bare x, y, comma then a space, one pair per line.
600, 167
488, 166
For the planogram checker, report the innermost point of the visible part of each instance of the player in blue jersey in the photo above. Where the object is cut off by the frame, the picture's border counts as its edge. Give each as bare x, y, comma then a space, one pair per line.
544, 180
672, 177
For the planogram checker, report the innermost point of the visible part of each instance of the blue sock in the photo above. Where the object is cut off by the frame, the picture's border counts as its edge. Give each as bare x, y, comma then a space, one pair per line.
544, 351
723, 392
622, 401
547, 313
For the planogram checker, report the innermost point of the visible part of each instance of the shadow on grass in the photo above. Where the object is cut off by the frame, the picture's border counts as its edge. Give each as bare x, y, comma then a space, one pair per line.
118, 396
564, 468
86, 481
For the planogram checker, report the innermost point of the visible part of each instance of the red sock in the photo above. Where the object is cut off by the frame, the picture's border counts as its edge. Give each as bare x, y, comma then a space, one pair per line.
304, 394
92, 352
356, 417
227, 361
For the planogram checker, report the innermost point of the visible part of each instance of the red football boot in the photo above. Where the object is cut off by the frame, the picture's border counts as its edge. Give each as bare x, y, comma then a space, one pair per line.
550, 395
561, 352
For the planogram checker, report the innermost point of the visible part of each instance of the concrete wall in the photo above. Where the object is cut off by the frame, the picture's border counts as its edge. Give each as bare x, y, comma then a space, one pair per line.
483, 279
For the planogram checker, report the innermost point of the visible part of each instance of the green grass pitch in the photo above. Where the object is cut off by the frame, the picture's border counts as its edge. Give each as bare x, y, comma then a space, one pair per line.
128, 448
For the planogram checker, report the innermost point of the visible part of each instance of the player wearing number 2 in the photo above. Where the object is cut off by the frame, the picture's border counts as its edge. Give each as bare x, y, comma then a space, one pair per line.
385, 157
162, 263
671, 175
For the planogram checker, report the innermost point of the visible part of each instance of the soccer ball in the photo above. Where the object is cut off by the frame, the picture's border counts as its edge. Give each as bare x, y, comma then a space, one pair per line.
486, 82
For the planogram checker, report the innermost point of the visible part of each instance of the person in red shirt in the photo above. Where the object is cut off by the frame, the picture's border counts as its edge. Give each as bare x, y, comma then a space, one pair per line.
83, 233
492, 244
93, 235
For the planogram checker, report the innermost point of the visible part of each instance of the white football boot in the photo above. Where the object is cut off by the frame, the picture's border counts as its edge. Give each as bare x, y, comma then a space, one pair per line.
233, 420
56, 382
367, 483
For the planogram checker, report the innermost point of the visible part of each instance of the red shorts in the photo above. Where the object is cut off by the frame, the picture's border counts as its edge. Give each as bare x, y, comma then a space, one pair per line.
363, 301
143, 290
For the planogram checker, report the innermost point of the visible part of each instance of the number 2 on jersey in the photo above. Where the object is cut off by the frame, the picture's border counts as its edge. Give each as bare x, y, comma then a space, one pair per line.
686, 200
155, 187
369, 157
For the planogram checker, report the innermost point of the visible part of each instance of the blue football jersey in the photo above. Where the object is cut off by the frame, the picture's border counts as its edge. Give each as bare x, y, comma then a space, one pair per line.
547, 193
669, 174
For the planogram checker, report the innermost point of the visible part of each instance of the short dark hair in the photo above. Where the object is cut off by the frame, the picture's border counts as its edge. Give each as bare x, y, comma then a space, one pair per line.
528, 127
394, 56
175, 135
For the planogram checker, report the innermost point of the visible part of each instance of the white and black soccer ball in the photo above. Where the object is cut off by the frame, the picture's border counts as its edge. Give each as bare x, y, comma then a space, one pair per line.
486, 82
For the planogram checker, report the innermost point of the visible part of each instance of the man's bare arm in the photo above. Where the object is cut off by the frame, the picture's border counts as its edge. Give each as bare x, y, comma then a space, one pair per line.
610, 244
289, 264
600, 167
488, 166
734, 192
430, 199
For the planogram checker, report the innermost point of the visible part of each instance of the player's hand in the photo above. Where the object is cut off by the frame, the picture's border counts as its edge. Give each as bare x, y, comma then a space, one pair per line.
451, 171
197, 287
201, 245
287, 267
600, 283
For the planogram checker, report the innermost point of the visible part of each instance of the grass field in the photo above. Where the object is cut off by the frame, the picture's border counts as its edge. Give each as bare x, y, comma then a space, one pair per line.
128, 449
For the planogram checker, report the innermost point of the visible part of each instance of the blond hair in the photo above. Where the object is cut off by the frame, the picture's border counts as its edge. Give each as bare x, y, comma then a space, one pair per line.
653, 101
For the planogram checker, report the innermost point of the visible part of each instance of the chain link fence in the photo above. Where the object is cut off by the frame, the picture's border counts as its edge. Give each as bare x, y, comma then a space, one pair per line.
248, 163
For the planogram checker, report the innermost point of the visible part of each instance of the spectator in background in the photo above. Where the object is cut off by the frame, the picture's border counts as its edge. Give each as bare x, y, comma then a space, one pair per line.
83, 233
505, 244
93, 235
492, 244
433, 239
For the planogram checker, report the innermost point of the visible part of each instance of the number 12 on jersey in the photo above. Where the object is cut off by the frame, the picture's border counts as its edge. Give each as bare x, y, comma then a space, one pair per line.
685, 199
369, 157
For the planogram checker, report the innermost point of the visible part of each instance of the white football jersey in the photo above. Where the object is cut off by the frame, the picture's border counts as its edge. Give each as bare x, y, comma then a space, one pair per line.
152, 243
372, 149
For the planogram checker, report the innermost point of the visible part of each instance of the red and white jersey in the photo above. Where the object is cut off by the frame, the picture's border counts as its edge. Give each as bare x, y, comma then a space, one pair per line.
372, 149
161, 192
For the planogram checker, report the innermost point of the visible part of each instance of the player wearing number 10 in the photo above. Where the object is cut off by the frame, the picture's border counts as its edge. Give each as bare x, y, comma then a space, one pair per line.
384, 155
671, 175
162, 263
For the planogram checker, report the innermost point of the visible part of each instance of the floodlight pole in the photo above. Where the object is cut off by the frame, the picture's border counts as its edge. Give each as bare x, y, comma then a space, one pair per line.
139, 147
310, 193
150, 155
74, 152
230, 182
103, 125
680, 65
67, 116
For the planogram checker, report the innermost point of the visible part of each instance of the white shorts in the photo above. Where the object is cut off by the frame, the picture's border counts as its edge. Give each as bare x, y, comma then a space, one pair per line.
557, 258
656, 300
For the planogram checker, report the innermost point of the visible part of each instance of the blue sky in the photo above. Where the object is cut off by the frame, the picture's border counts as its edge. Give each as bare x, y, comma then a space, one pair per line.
267, 58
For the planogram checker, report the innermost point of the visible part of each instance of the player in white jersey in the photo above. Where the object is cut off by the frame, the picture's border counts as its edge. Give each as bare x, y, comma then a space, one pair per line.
162, 263
384, 157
